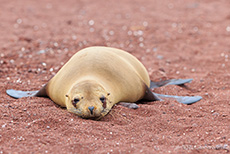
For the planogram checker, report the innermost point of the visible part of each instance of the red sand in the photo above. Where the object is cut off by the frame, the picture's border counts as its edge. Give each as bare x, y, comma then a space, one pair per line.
173, 39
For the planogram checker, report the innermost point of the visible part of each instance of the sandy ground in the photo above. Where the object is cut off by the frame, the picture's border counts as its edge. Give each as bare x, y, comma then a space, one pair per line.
173, 39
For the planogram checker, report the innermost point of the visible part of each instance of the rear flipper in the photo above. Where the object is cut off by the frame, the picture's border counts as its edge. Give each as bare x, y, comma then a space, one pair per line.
151, 96
19, 94
181, 99
169, 82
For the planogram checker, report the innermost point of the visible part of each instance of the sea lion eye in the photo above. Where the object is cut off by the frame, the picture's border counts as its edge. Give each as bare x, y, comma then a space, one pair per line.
75, 101
102, 99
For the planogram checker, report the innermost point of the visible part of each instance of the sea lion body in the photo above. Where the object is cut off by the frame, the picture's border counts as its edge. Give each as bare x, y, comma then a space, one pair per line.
96, 78
118, 72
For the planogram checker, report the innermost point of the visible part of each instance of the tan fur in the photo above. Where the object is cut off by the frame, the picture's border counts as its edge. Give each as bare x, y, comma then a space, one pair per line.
95, 72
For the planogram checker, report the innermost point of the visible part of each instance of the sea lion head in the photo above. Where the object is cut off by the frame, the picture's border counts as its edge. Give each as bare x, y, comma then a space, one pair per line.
88, 99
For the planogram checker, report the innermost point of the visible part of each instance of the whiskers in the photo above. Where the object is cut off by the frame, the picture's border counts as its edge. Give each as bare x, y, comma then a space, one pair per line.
76, 111
103, 113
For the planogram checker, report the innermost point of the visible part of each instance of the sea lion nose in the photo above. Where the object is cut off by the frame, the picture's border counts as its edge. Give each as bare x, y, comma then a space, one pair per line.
91, 109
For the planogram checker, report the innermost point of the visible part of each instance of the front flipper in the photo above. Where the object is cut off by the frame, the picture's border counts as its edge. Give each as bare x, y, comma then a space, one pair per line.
19, 94
181, 99
129, 105
169, 82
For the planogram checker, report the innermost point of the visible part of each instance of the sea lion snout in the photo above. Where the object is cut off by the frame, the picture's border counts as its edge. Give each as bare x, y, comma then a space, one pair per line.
91, 108
90, 112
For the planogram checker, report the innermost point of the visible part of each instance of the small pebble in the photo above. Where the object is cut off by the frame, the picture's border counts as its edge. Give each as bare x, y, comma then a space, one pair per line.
228, 28
41, 51
141, 39
195, 29
111, 32
22, 49
11, 61
145, 23
44, 64
141, 45
36, 27
74, 37
220, 146
193, 70
159, 57
56, 44
51, 69
154, 49
174, 25
44, 25
91, 22
130, 32
147, 50
91, 29
215, 114
19, 21
124, 27
4, 125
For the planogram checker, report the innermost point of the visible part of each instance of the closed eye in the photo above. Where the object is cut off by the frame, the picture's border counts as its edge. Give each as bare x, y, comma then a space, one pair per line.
75, 101
102, 99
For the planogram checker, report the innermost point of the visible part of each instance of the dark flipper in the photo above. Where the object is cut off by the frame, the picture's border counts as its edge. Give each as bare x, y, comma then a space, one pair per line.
19, 94
181, 99
42, 92
150, 96
169, 82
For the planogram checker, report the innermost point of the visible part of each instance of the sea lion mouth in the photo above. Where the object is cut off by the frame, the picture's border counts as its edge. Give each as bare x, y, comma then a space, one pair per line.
103, 113
80, 114
94, 117
76, 111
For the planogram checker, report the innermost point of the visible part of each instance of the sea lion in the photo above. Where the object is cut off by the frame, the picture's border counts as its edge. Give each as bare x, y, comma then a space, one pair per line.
96, 78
